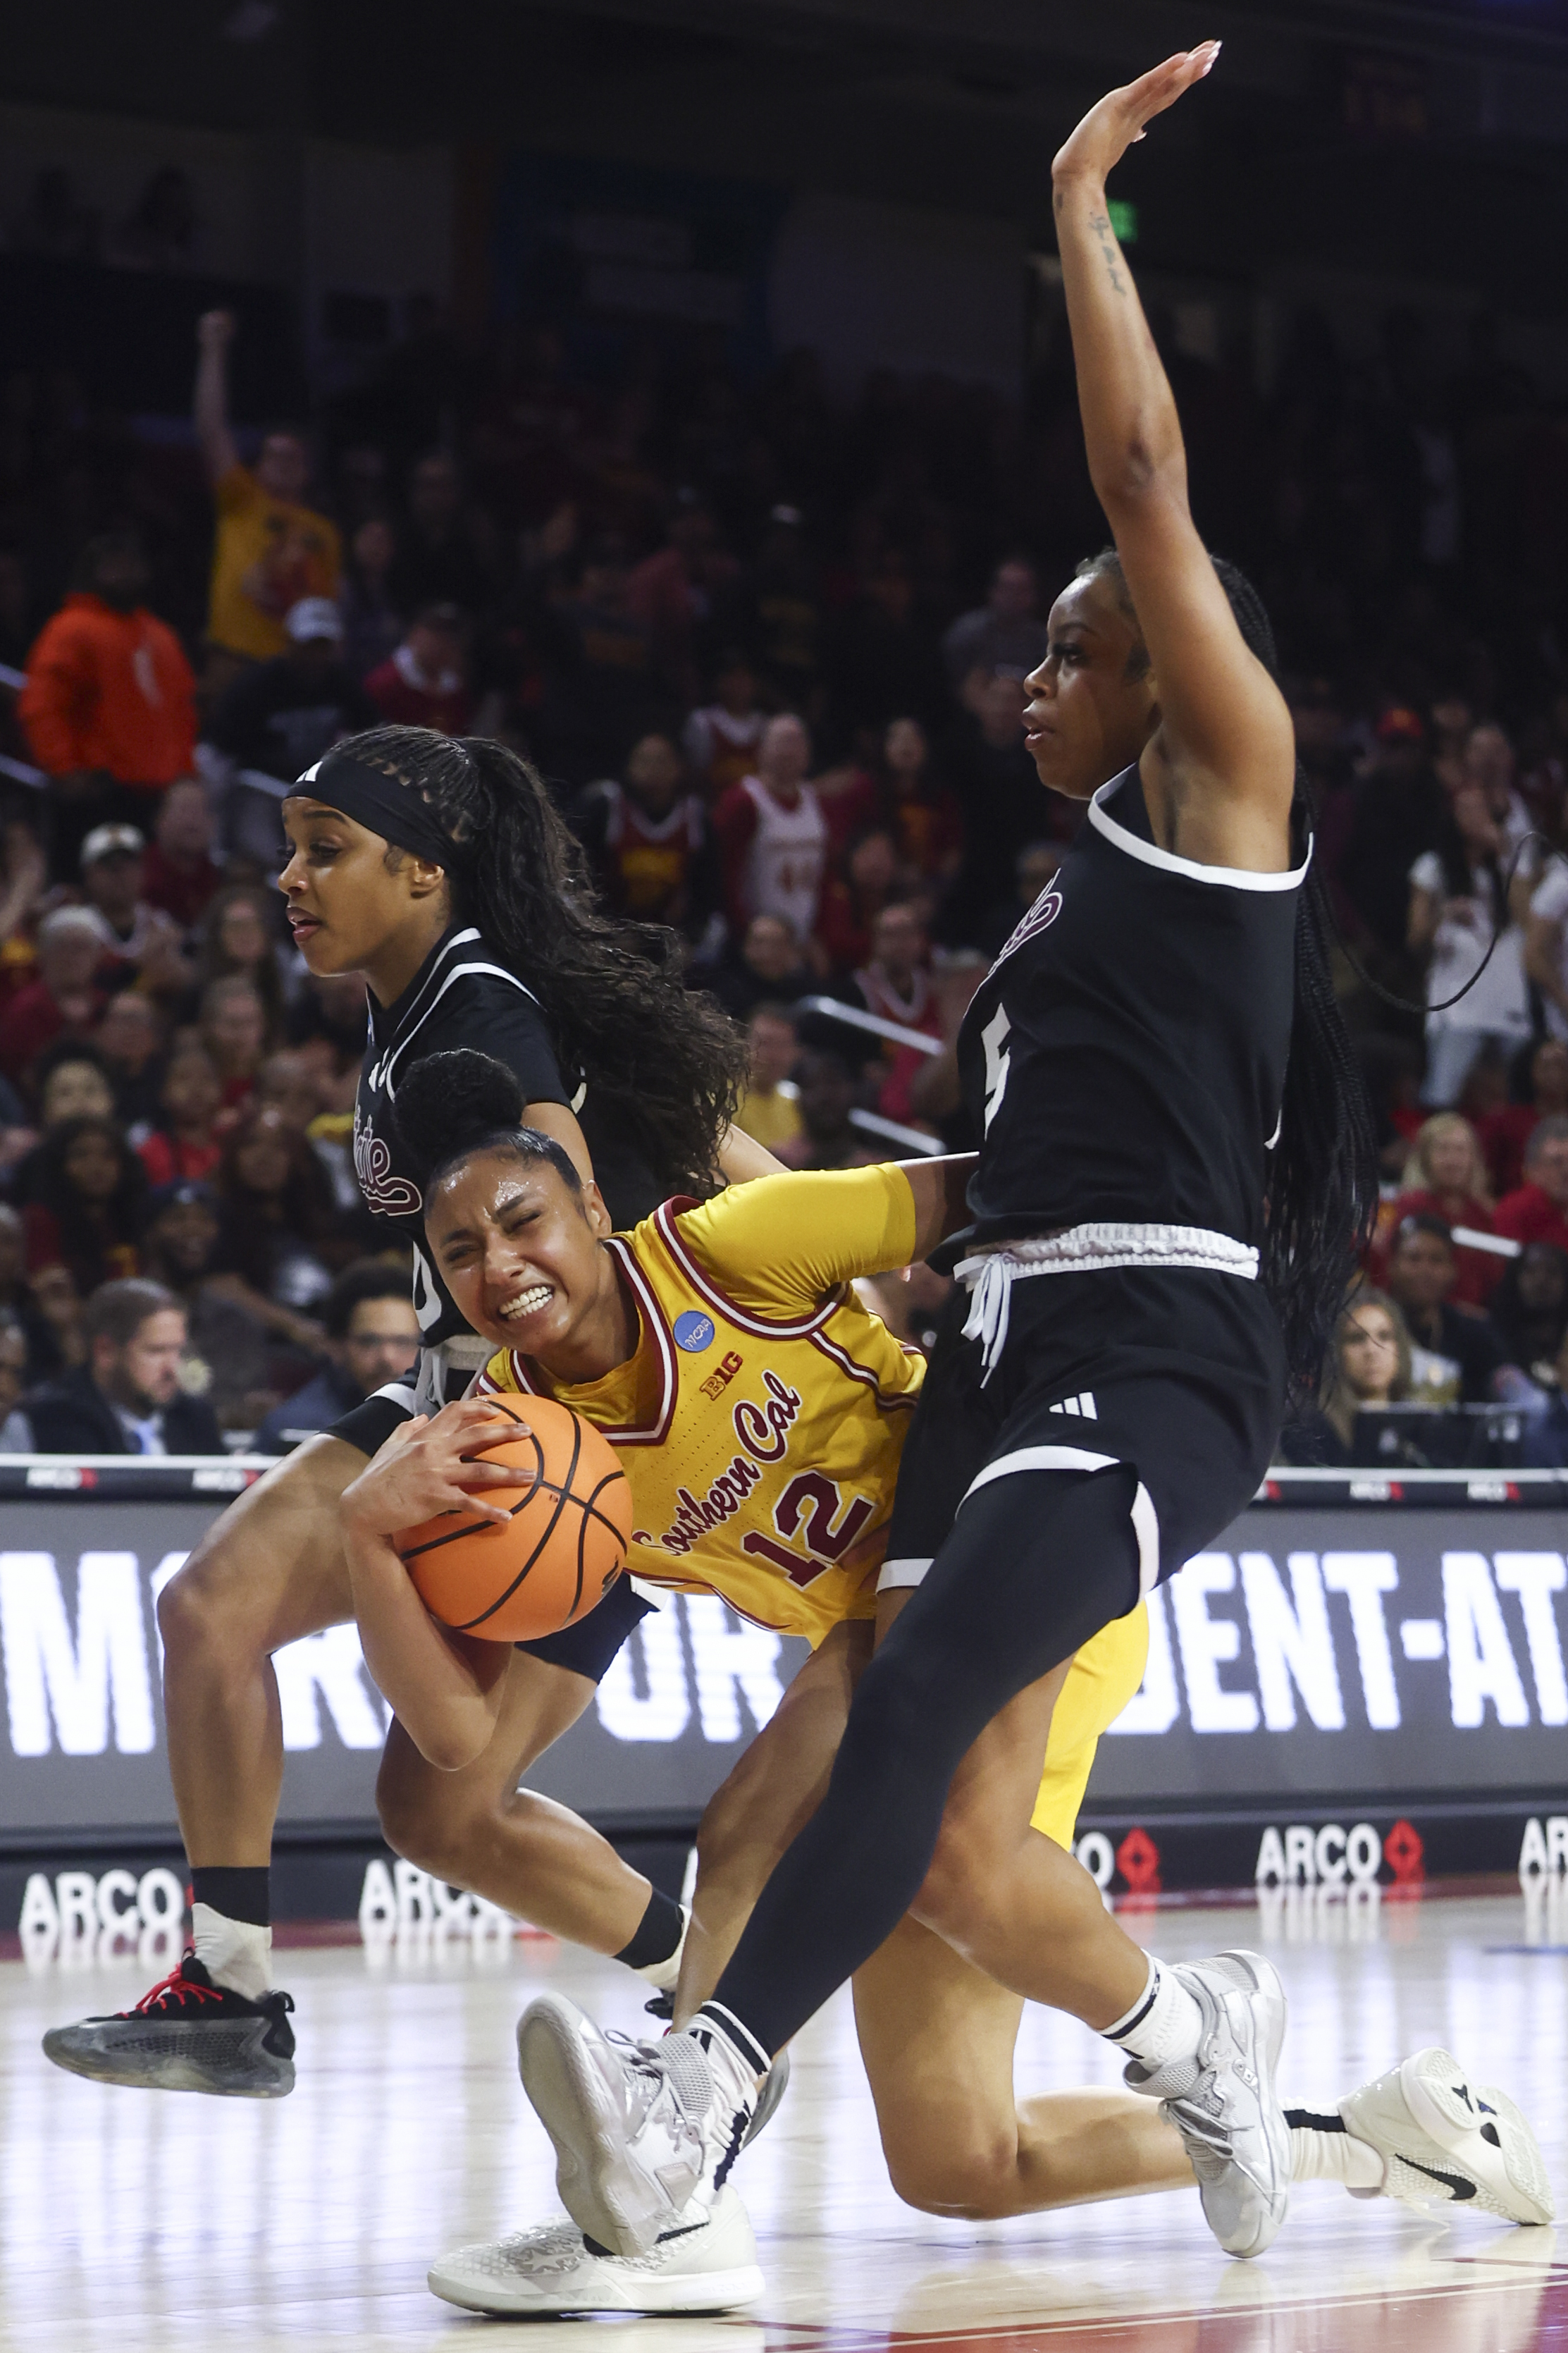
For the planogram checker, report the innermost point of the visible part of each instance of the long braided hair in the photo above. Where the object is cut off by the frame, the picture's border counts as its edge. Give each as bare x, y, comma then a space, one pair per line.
1321, 1193
666, 1064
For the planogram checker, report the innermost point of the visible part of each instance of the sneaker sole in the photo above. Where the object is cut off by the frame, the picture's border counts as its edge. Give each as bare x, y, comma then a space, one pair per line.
714, 2291
143, 2072
598, 2189
1256, 1976
1428, 2080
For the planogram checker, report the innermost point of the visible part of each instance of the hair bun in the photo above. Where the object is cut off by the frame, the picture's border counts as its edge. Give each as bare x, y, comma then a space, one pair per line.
451, 1101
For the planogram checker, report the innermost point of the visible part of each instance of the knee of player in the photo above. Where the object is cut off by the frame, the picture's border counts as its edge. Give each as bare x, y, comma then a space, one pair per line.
419, 1827
191, 1615
971, 2184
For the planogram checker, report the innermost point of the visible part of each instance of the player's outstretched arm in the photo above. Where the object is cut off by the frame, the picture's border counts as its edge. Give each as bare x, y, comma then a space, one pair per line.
445, 1689
1225, 742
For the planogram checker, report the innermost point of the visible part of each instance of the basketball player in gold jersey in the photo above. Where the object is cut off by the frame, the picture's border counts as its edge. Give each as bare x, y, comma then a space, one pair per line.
763, 1469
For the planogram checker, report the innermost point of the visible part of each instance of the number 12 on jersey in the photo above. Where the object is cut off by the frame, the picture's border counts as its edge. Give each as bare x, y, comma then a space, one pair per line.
817, 1501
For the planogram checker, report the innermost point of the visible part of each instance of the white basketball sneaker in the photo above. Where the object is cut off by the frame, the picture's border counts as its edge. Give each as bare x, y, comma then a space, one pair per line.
708, 2262
642, 2130
1222, 2101
1446, 2140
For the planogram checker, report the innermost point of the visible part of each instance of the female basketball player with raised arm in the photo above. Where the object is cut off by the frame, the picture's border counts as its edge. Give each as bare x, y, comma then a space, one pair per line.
441, 869
679, 1338
1173, 1175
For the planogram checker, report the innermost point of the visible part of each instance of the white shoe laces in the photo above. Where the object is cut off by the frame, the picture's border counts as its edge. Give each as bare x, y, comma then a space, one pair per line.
654, 2094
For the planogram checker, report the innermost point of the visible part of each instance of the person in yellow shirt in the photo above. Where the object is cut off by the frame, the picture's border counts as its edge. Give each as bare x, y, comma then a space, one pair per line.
270, 550
769, 1113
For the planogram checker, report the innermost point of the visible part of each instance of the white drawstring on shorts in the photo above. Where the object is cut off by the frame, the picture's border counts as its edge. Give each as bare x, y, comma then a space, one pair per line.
990, 1274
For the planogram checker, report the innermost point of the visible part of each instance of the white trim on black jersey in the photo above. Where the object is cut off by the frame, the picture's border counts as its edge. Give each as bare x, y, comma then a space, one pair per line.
1233, 878
380, 1072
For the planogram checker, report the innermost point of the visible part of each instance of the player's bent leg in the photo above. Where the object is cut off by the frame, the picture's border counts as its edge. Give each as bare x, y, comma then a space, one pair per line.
270, 1572
938, 2040
478, 1829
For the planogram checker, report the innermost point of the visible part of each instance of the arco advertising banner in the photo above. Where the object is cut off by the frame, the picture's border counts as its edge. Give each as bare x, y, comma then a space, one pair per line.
1381, 1655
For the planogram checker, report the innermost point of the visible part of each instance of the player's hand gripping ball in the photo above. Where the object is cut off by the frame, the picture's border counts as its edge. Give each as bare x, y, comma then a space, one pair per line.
561, 1548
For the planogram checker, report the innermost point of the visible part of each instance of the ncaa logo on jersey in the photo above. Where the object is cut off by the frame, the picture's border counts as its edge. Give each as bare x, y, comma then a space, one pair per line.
693, 1332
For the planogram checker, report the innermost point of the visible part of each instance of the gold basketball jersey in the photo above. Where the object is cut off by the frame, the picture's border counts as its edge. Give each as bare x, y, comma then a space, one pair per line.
760, 1420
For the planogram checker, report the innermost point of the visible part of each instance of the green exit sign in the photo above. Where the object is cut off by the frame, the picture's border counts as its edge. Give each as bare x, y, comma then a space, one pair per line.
1124, 219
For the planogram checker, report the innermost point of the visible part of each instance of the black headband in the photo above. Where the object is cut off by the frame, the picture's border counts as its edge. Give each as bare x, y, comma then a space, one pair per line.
382, 806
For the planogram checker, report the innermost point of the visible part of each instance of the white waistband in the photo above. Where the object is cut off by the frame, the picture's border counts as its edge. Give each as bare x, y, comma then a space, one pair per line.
990, 1273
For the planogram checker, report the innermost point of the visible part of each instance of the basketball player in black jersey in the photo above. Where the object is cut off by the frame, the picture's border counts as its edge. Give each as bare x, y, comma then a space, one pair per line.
441, 869
1174, 1174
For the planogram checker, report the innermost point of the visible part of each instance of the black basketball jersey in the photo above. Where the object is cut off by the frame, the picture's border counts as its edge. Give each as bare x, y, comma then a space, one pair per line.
463, 996
1125, 1055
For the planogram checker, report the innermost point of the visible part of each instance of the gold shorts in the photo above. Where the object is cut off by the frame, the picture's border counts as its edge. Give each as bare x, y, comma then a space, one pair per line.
1101, 1680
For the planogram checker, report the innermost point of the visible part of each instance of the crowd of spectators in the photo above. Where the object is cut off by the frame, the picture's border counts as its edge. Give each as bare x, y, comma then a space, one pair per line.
768, 650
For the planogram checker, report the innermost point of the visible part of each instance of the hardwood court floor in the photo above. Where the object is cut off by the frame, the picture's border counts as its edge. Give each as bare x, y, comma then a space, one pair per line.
142, 2220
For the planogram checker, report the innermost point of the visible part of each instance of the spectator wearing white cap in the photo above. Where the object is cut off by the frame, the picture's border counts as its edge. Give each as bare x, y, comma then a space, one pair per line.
141, 943
277, 720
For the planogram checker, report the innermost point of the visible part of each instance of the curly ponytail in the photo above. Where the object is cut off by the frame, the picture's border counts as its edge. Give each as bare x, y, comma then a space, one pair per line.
666, 1064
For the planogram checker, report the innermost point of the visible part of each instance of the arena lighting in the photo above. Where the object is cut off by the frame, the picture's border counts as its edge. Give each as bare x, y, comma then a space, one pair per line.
1123, 218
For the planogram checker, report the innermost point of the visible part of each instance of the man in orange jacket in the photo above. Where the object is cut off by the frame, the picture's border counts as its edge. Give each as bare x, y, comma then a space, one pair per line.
110, 703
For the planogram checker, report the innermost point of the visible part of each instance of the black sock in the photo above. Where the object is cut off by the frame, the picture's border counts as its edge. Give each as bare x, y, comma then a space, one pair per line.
1303, 2120
659, 1932
238, 1893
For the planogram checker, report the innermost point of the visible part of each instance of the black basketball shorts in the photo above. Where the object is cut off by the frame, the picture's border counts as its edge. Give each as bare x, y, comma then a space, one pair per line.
1174, 1372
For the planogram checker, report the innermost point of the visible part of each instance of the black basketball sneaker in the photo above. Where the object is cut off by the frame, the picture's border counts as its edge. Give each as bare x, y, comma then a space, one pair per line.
186, 2035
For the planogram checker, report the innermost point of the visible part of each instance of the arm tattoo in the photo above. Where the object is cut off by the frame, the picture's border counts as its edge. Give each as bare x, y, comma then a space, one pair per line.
1100, 224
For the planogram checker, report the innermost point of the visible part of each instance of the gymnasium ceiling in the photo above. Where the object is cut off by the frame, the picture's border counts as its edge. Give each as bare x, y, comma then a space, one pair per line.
1425, 137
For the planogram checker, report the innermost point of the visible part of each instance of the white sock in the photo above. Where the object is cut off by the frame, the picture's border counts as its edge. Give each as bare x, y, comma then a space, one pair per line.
1164, 2024
233, 1953
1323, 2150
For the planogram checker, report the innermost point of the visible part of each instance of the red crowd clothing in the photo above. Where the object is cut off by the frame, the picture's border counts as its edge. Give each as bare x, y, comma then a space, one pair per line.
1476, 1271
1531, 1215
404, 700
111, 692
647, 864
32, 1021
929, 833
166, 1158
182, 892
1504, 1133
918, 1010
721, 748
844, 923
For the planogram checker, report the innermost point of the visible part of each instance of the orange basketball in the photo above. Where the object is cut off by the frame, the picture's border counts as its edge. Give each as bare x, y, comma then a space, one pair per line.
559, 1553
